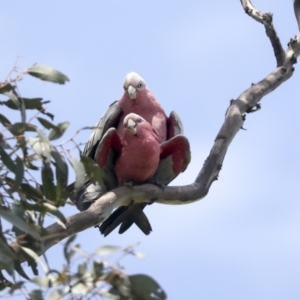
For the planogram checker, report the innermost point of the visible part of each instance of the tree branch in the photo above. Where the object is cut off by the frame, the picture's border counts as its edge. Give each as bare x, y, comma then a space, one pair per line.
297, 11
234, 119
267, 20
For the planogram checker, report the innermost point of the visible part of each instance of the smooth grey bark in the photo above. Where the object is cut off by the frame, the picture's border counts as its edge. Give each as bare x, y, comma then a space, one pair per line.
297, 11
247, 101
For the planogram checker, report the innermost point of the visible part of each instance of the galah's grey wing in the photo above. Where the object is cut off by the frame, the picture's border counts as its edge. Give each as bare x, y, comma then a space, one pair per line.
110, 119
92, 191
174, 158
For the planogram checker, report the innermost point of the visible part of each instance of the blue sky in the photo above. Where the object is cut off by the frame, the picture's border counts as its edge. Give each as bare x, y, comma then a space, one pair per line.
242, 240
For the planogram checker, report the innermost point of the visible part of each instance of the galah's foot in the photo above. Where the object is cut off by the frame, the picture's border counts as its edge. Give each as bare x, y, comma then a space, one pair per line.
254, 108
129, 184
152, 201
244, 119
159, 184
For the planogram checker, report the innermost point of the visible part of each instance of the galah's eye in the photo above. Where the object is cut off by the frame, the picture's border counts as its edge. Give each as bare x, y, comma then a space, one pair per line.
139, 120
125, 88
140, 84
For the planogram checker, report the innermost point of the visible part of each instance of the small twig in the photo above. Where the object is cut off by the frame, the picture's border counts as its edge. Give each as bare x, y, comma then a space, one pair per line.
17, 78
15, 137
34, 117
76, 133
32, 178
71, 139
13, 68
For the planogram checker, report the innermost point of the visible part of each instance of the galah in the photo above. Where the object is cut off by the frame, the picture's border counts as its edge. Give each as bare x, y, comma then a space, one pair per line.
139, 158
136, 154
137, 98
135, 157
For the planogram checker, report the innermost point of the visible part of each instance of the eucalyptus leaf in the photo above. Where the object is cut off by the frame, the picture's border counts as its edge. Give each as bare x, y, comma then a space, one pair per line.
60, 161
5, 87
18, 103
9, 163
48, 188
120, 283
98, 268
30, 165
61, 170
19, 128
81, 288
55, 212
104, 250
16, 286
20, 270
36, 295
36, 258
77, 249
47, 124
19, 173
82, 269
58, 131
34, 103
43, 149
93, 171
9, 216
70, 240
30, 192
62, 224
29, 103
56, 294
145, 287
14, 103
42, 281
48, 74
23, 110
67, 252
80, 173
3, 143
4, 121
43, 137
16, 167
7, 256
10, 104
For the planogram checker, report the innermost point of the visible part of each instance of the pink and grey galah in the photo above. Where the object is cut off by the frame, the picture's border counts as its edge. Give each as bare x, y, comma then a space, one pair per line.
138, 99
139, 158
136, 153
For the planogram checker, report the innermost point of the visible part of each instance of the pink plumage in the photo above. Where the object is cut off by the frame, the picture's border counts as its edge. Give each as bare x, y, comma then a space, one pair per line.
140, 153
138, 99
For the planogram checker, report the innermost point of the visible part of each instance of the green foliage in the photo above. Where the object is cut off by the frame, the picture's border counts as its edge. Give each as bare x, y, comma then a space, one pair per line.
34, 186
48, 74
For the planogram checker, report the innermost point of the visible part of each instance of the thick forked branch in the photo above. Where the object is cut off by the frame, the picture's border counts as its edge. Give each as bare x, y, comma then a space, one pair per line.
248, 100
